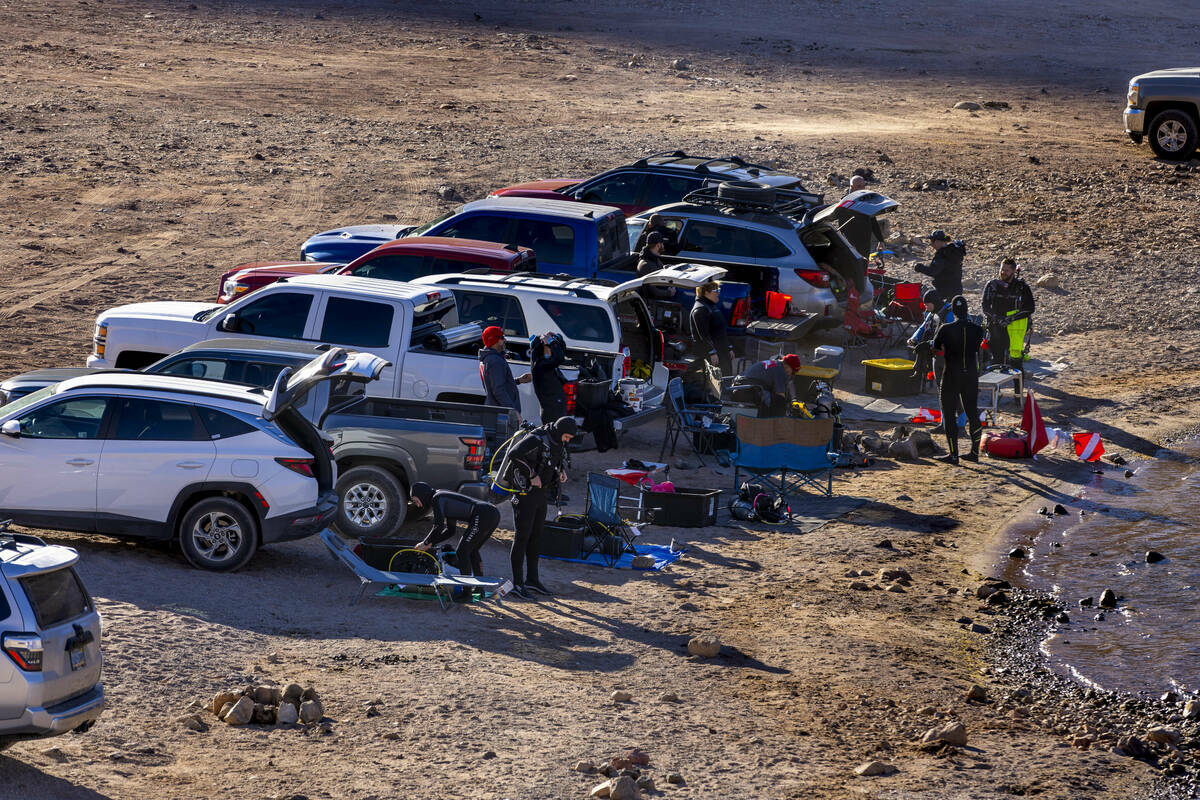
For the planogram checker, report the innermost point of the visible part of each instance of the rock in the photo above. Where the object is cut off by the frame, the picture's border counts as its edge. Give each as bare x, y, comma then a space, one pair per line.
1060, 509
1108, 599
996, 105
310, 694
645, 783
240, 713
1048, 281
1133, 747
287, 714
895, 574
1153, 557
986, 590
293, 693
923, 442
1087, 602
311, 711
903, 498
224, 710
894, 587
267, 695
1099, 617
1170, 698
977, 694
884, 544
601, 789
1128, 473
263, 715
705, 646
191, 722
952, 733
448, 192
1017, 552
681, 64
977, 628
643, 562
684, 464
998, 599
903, 448
638, 757
618, 764
1191, 709
964, 620
1063, 618
55, 753
872, 768
623, 788
927, 711
488, 755
1082, 742
372, 711
674, 777
860, 586
757, 106
621, 696
220, 700
967, 105
668, 697
584, 766
1163, 735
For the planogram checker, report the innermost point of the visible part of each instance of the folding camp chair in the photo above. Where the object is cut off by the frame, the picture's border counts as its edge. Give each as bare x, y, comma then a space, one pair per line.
445, 587
608, 534
684, 419
786, 454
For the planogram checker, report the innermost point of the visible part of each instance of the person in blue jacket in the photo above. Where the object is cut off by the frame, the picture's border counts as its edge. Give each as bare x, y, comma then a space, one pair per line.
499, 385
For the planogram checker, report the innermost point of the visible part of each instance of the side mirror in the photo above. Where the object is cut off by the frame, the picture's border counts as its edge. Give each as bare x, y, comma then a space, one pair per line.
230, 323
11, 428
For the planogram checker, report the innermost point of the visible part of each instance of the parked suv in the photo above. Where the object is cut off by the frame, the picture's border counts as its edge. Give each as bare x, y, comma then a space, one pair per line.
655, 180
775, 241
222, 469
1165, 105
401, 260
50, 670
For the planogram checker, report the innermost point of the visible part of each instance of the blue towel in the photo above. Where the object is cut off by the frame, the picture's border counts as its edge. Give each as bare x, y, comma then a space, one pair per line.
663, 555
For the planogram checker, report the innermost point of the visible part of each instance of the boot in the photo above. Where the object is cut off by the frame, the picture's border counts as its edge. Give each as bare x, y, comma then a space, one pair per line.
949, 458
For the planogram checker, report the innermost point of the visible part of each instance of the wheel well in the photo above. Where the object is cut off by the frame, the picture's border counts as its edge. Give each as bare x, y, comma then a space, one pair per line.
1157, 107
205, 494
396, 471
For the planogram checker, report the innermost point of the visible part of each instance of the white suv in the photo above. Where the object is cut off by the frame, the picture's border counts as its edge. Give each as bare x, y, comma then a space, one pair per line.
221, 468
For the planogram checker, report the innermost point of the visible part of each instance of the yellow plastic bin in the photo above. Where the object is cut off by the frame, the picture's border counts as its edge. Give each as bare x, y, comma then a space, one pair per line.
890, 377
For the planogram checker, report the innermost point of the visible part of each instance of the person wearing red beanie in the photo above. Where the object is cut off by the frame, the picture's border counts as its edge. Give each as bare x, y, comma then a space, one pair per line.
499, 386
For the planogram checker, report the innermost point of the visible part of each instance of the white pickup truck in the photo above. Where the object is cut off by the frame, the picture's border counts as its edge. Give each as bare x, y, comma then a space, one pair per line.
430, 339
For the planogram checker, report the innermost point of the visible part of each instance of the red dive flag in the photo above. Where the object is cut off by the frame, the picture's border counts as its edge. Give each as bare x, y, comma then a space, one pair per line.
1032, 424
1088, 446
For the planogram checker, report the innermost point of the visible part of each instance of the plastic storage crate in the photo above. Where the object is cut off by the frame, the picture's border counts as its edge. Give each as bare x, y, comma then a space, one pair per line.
683, 508
890, 377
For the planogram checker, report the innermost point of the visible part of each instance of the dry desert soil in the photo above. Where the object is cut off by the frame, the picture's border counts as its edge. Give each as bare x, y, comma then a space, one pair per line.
148, 146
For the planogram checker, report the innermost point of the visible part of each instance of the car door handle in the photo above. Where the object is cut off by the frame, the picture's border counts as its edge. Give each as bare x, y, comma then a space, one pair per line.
80, 462
190, 464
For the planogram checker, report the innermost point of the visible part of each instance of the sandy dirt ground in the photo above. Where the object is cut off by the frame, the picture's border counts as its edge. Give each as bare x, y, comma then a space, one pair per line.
146, 147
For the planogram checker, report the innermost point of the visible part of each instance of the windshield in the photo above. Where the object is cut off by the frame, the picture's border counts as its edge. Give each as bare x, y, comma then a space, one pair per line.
420, 230
614, 239
21, 404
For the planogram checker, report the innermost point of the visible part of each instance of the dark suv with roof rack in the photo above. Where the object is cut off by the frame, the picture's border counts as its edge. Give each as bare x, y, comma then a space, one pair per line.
656, 180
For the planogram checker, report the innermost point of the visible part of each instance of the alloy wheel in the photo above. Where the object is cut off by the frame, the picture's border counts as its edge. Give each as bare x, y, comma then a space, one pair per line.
365, 505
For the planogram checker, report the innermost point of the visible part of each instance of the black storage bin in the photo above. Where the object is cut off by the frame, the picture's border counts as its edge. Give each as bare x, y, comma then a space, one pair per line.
683, 508
890, 377
563, 538
377, 551
591, 394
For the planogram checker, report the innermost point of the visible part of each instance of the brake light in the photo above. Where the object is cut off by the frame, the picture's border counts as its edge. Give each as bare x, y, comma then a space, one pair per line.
570, 390
25, 649
816, 277
739, 317
301, 466
475, 448
662, 345
846, 204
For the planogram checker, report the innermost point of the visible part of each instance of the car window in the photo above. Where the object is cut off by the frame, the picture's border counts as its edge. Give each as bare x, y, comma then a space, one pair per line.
357, 322
614, 239
551, 243
56, 597
621, 189
282, 315
420, 230
578, 321
19, 403
443, 266
486, 309
75, 418
143, 420
213, 369
393, 268
484, 227
767, 246
255, 373
716, 239
221, 425
663, 189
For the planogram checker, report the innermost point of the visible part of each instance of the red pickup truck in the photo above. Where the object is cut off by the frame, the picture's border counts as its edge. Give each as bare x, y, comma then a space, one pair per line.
401, 260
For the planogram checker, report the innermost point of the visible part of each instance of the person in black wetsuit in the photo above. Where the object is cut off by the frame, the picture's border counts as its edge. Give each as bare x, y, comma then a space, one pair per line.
946, 266
959, 343
542, 456
450, 508
710, 339
547, 352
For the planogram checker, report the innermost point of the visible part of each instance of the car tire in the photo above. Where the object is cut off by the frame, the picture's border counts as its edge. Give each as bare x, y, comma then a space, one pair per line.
371, 502
218, 534
746, 192
1173, 135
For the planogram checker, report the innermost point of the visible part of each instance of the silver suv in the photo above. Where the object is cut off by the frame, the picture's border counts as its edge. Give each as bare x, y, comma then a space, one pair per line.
50, 670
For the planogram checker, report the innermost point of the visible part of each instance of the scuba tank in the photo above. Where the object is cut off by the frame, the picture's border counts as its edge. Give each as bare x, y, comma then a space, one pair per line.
506, 479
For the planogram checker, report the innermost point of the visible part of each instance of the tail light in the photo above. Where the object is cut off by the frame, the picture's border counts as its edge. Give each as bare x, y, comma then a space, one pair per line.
662, 346
817, 277
301, 466
25, 649
475, 448
570, 390
739, 317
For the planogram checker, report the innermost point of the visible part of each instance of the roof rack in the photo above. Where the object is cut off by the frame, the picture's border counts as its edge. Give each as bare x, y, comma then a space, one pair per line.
674, 154
786, 202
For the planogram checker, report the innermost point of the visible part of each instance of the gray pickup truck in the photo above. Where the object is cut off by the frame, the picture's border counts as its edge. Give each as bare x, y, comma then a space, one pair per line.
1164, 105
381, 446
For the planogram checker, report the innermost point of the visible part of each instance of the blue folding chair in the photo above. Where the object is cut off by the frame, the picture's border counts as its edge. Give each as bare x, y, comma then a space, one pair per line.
684, 419
786, 454
608, 534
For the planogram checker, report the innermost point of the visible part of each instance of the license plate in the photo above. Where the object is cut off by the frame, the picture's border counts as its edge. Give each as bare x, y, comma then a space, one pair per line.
78, 658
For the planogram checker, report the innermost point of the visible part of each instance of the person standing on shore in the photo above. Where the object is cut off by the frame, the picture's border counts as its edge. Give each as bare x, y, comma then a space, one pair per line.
710, 339
499, 385
959, 343
1007, 305
542, 457
945, 268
